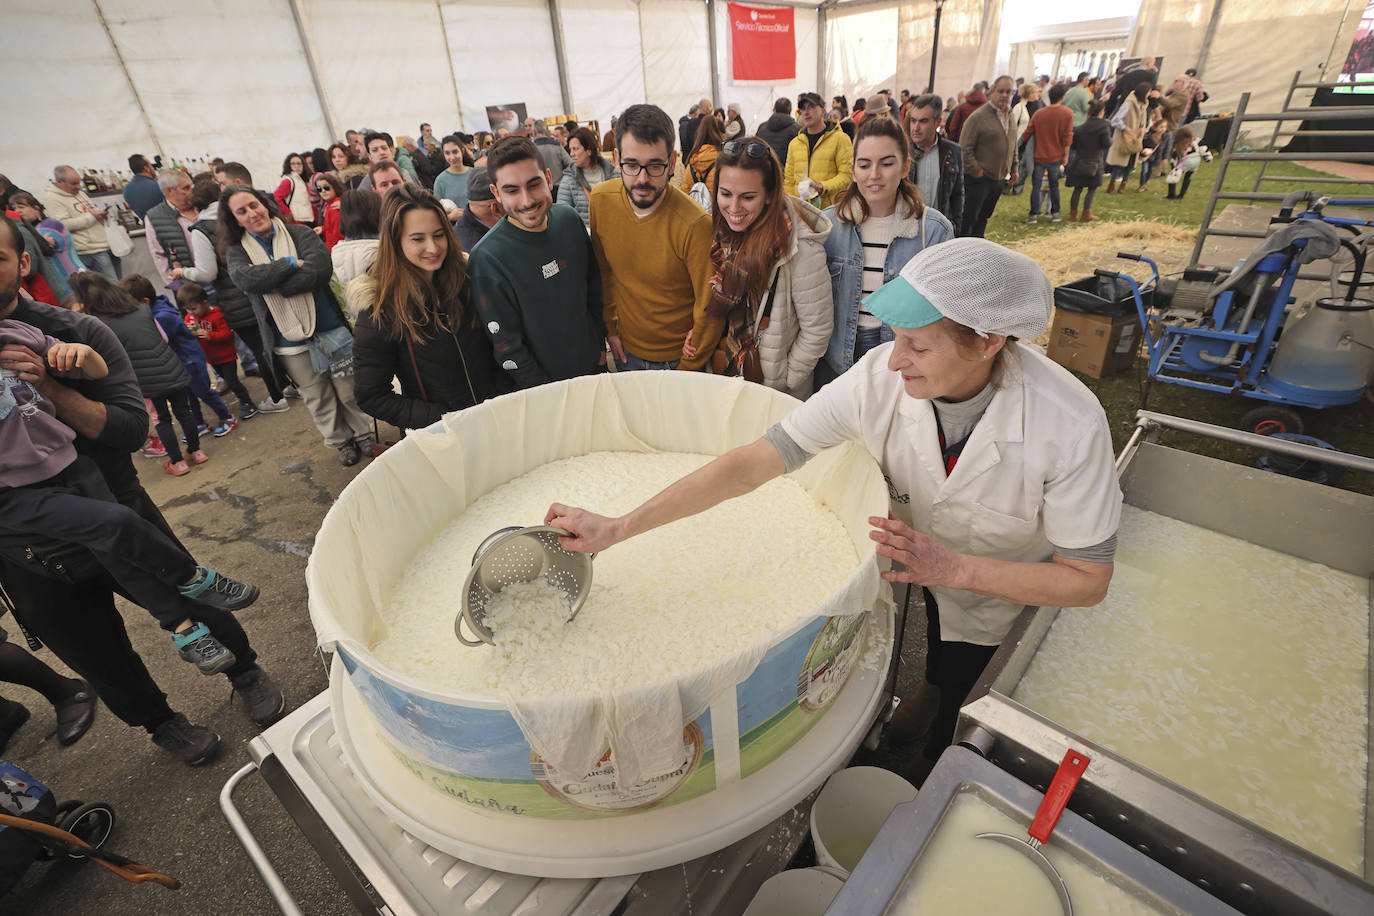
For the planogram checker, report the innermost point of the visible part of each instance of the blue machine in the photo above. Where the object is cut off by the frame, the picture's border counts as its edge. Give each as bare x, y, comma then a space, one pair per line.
1238, 343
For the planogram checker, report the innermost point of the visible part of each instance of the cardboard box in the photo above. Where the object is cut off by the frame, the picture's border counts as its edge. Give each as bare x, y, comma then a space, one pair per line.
1095, 345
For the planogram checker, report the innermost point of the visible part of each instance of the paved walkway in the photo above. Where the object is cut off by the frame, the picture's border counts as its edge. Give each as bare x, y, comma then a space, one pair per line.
1363, 171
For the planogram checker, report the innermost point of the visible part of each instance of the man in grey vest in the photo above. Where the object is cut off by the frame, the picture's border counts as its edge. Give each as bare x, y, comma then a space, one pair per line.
169, 225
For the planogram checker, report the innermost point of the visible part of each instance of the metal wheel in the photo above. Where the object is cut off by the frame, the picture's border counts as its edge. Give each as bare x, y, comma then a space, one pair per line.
93, 823
1271, 420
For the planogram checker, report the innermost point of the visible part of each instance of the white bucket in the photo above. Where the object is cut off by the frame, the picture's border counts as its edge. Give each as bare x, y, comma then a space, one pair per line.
799, 892
850, 811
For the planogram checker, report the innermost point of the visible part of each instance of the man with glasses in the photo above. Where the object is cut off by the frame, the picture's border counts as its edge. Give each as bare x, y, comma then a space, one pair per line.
653, 244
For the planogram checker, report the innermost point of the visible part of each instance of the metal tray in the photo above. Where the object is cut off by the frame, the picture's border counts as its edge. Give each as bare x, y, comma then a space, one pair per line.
890, 861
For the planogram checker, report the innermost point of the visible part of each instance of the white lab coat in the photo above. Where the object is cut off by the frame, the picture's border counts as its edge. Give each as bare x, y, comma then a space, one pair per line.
1037, 472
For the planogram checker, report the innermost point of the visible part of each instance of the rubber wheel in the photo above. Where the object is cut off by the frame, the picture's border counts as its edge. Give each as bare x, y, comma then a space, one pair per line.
1266, 421
93, 823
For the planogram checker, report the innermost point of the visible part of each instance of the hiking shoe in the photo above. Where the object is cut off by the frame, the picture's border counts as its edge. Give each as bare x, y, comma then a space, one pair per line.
267, 405
153, 448
247, 411
219, 591
176, 468
350, 454
263, 700
227, 427
191, 744
291, 391
197, 457
201, 649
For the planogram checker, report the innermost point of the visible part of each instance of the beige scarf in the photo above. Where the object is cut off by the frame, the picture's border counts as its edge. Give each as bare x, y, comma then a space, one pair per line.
293, 315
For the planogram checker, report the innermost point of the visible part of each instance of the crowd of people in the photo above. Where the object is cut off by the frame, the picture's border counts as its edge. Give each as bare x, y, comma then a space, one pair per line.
387, 280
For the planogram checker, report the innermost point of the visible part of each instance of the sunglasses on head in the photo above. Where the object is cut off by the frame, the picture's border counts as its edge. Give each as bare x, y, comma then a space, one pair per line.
753, 149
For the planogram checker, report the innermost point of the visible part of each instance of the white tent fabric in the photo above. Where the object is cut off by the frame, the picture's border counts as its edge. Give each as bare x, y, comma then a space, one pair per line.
861, 52
676, 54
495, 69
605, 63
969, 34
756, 98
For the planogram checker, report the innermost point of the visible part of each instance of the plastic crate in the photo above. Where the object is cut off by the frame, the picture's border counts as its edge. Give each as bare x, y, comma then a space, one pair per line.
1100, 296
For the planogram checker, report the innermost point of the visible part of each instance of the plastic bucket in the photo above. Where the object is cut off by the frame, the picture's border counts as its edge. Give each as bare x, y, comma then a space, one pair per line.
799, 892
850, 811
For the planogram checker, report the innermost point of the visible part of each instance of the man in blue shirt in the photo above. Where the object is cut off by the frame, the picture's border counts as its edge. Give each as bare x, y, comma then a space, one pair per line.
142, 193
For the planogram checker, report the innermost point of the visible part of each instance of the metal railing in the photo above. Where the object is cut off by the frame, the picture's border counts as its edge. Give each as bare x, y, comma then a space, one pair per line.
1272, 153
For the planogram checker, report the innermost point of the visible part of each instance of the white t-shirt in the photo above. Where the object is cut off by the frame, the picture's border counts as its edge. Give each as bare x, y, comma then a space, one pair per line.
1037, 471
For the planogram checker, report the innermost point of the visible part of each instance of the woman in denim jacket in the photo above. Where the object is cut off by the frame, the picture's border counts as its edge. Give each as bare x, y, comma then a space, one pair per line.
880, 217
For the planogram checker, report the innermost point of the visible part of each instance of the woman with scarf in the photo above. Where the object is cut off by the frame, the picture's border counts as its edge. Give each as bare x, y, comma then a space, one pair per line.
285, 271
771, 286
590, 168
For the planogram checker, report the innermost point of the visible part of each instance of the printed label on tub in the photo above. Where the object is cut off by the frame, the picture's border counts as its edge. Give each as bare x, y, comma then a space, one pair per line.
828, 664
600, 790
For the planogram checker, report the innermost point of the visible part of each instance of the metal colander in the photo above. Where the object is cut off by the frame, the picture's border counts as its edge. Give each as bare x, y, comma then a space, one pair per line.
518, 554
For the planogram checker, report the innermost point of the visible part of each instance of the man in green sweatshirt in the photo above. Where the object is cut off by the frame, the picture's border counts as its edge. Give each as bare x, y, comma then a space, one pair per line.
535, 278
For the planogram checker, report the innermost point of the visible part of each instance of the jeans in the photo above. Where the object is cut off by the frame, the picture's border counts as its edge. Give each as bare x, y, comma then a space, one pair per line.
633, 363
202, 390
1119, 172
867, 339
230, 373
1043, 170
980, 200
181, 406
1087, 203
102, 262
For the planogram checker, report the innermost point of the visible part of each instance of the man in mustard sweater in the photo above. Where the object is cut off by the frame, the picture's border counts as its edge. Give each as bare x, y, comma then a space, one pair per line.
653, 244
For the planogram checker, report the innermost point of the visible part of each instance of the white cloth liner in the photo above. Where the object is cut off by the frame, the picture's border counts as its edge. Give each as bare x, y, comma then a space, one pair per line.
416, 488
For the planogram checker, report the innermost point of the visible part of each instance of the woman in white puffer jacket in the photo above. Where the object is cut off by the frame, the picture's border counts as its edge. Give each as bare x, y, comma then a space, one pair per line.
770, 273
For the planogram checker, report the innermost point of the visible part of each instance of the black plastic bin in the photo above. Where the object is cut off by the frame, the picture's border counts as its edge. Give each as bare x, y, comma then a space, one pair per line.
1100, 296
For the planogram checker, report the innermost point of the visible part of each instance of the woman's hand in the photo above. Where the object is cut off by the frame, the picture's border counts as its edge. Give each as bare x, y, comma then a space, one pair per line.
591, 533
688, 351
926, 562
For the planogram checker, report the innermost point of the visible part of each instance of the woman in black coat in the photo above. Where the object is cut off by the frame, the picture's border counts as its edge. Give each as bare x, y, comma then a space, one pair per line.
416, 321
1090, 144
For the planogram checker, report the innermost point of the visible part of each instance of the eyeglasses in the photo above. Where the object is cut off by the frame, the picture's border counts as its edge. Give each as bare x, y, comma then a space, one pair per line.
655, 169
753, 149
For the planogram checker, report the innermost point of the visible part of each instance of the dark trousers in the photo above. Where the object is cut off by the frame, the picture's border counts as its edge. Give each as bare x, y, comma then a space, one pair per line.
230, 373
82, 626
181, 405
980, 200
1182, 187
76, 507
954, 667
273, 375
202, 390
1087, 204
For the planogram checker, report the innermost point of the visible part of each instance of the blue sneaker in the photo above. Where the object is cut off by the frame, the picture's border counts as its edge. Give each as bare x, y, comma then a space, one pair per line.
219, 591
201, 649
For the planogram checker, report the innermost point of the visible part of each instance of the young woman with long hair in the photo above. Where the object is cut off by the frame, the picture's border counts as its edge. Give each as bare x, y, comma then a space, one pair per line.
880, 223
416, 321
702, 159
347, 168
285, 270
771, 285
292, 194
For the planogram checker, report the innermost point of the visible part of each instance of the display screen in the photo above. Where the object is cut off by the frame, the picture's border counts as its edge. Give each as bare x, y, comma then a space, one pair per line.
1359, 64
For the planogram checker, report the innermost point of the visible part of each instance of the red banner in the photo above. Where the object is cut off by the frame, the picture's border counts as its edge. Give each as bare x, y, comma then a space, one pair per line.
762, 43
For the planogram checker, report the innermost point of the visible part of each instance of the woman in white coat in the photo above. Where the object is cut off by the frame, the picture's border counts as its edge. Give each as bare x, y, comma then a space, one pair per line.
771, 285
999, 463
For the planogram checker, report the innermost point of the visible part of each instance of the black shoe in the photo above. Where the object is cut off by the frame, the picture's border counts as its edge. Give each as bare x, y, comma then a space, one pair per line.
11, 720
79, 711
263, 700
217, 590
191, 744
350, 454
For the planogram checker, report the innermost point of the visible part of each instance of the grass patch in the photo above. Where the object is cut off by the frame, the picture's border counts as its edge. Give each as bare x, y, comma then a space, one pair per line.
1350, 428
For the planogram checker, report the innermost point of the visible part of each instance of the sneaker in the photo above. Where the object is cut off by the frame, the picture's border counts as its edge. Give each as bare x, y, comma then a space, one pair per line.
175, 468
219, 591
197, 457
267, 405
350, 454
247, 411
1032, 220
153, 448
191, 744
263, 700
201, 649
227, 427
202, 430
291, 391
1054, 217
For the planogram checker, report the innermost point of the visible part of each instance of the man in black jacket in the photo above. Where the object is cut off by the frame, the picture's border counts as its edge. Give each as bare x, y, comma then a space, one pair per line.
78, 620
937, 163
780, 128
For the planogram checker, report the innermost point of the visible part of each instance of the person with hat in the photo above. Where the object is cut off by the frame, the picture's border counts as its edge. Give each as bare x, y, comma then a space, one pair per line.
999, 464
482, 211
820, 158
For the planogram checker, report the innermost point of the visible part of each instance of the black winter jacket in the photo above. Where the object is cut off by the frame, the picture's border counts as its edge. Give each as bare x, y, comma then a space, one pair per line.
313, 273
441, 373
778, 132
158, 369
238, 311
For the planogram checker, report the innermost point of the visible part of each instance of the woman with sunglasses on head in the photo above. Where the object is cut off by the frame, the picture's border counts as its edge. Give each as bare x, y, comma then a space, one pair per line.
771, 284
880, 224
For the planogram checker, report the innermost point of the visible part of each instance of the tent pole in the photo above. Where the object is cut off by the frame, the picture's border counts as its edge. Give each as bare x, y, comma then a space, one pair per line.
561, 55
307, 48
935, 44
1206, 48
448, 54
123, 68
822, 14
711, 44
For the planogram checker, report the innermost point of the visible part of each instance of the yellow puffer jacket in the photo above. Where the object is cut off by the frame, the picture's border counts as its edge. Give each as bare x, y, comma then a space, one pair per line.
702, 161
831, 163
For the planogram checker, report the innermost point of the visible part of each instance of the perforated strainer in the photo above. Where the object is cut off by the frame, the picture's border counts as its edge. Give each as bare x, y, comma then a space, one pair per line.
517, 554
